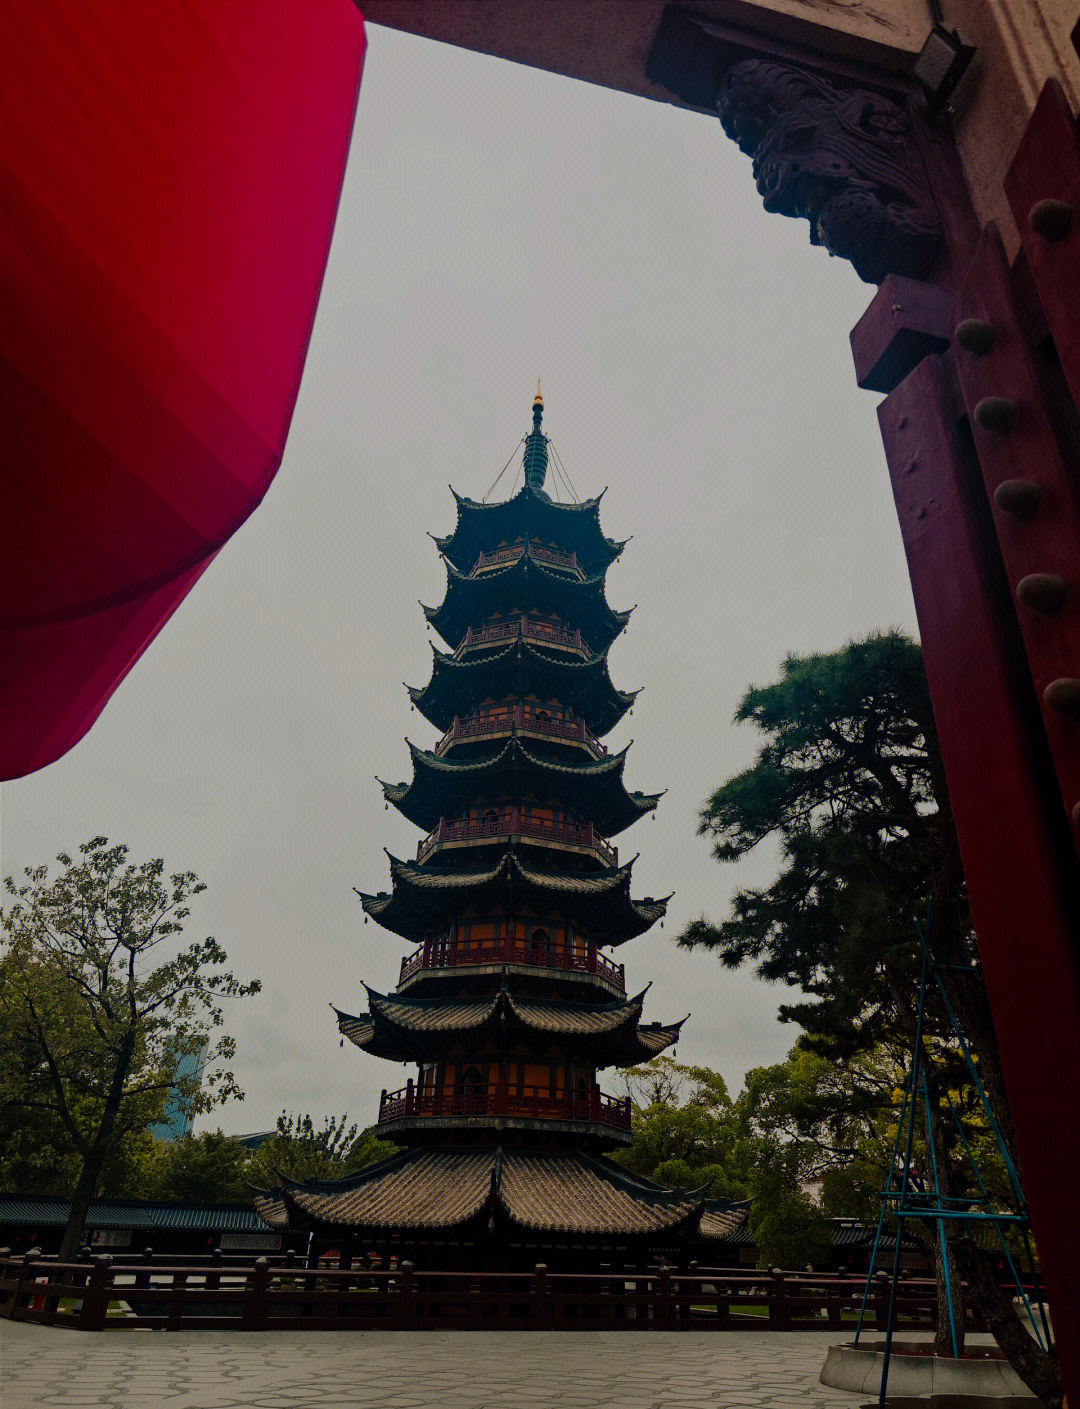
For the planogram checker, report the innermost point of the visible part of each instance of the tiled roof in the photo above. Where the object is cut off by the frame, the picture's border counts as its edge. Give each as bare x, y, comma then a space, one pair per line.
419, 1189
401, 1028
133, 1213
724, 1223
577, 1195
530, 513
271, 1209
526, 584
425, 897
585, 686
447, 1187
594, 788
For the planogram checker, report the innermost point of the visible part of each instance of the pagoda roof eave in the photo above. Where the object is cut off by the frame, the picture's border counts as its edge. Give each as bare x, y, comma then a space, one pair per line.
593, 787
525, 584
584, 686
403, 1028
529, 512
425, 898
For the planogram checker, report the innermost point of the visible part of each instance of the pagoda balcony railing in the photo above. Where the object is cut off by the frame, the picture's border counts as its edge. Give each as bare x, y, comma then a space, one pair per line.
506, 1098
513, 824
435, 955
483, 726
532, 630
511, 555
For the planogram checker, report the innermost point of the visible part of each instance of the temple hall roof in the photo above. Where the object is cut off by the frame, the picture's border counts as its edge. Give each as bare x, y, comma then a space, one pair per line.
529, 514
401, 1028
524, 585
425, 897
582, 685
592, 787
434, 1189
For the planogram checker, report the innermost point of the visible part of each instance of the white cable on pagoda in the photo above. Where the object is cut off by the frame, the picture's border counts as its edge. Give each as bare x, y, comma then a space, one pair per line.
563, 470
502, 472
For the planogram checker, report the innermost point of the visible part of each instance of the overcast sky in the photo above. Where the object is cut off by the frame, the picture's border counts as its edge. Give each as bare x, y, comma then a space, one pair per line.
499, 224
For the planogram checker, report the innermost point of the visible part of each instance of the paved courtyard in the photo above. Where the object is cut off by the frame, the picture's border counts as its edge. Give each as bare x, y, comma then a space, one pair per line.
436, 1370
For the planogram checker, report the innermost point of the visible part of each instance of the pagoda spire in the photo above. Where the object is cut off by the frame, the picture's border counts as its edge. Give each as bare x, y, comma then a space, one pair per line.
536, 450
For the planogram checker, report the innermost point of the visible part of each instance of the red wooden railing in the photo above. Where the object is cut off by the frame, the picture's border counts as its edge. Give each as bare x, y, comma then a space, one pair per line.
281, 1294
502, 1098
483, 725
542, 555
522, 626
434, 955
512, 823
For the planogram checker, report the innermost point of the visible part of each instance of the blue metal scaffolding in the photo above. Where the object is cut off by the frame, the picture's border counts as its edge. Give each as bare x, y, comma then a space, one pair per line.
903, 1199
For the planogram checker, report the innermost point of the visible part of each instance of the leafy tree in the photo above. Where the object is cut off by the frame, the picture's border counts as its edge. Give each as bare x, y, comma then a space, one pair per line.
788, 1228
849, 781
301, 1150
100, 1002
684, 1135
204, 1168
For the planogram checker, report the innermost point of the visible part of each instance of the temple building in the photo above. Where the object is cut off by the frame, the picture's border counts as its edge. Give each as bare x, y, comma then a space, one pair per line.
512, 1003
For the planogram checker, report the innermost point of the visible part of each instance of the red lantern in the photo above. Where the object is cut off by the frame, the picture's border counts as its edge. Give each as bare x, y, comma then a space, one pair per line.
170, 175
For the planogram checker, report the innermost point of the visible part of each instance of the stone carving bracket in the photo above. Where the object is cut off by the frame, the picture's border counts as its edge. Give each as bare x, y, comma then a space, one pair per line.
824, 148
842, 158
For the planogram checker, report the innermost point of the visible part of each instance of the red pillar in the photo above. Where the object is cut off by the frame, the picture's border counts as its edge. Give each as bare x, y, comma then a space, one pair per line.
1018, 858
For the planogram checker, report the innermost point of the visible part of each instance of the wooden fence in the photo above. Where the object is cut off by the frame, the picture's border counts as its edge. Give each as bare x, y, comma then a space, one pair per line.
106, 1295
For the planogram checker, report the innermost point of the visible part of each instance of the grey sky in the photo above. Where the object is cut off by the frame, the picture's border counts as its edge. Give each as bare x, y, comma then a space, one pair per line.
498, 224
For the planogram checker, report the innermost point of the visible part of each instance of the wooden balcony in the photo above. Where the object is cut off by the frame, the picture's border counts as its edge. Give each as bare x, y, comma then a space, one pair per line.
536, 1102
519, 720
502, 556
435, 956
512, 823
538, 631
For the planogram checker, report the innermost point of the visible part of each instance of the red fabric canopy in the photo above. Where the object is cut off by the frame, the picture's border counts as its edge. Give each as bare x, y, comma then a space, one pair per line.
170, 176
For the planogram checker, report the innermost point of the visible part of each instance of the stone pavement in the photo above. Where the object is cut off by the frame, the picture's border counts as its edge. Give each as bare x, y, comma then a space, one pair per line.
67, 1369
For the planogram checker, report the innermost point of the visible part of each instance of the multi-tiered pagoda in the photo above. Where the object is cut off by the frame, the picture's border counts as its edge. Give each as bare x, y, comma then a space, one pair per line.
511, 1004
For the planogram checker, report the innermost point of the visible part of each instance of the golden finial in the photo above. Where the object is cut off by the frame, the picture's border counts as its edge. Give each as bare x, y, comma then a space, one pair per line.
538, 400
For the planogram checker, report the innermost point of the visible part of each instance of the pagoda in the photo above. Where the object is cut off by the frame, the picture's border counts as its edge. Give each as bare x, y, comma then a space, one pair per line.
511, 1003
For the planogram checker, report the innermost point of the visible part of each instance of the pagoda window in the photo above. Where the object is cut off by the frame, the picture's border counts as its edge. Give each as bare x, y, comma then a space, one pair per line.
539, 944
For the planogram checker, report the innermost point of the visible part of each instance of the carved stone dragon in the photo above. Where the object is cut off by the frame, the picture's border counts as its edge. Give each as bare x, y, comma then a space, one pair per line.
842, 158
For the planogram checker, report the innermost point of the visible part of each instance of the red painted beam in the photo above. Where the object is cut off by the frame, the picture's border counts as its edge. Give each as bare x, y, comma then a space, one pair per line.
1034, 497
1046, 169
905, 322
1020, 868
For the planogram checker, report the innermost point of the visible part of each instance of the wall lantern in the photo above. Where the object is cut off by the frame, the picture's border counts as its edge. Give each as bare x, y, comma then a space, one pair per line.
940, 65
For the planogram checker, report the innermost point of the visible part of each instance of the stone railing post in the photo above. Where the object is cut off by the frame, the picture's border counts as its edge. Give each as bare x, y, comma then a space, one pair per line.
542, 1309
177, 1299
253, 1317
95, 1307
406, 1297
665, 1306
779, 1308
26, 1266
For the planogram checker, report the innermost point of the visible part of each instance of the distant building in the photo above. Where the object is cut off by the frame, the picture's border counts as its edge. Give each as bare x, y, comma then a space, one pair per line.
130, 1225
179, 1115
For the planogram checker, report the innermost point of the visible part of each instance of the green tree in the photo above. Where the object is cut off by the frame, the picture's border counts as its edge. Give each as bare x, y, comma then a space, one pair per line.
100, 1001
849, 781
684, 1131
300, 1149
205, 1168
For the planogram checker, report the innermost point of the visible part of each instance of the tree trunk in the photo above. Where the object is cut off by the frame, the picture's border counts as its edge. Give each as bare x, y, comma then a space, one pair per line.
95, 1156
1036, 1367
80, 1207
949, 1292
